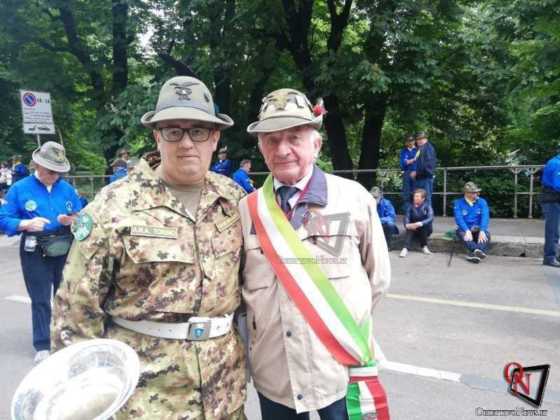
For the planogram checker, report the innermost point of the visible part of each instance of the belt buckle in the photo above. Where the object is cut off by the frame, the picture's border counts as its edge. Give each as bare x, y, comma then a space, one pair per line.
199, 330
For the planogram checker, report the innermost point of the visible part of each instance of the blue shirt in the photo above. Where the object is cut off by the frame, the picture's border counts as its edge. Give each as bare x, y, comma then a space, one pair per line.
20, 171
422, 213
119, 173
407, 154
467, 216
242, 178
426, 162
386, 212
29, 198
551, 174
222, 167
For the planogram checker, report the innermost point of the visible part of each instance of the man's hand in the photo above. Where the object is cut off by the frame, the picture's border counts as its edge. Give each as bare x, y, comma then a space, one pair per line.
409, 161
482, 237
65, 220
37, 224
413, 174
468, 236
413, 226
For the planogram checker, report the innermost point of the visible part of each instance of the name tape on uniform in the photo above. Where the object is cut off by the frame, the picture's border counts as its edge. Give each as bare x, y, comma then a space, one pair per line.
154, 231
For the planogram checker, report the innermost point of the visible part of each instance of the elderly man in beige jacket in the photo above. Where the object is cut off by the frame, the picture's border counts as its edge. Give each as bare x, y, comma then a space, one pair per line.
316, 263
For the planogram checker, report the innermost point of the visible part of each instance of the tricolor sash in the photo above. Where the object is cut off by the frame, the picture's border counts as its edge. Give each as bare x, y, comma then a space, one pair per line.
320, 304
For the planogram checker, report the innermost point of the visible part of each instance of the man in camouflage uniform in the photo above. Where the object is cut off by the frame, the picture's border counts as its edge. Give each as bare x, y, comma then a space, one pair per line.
155, 264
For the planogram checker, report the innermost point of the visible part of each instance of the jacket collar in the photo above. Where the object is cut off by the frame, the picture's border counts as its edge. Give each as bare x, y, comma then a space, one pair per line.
316, 192
152, 192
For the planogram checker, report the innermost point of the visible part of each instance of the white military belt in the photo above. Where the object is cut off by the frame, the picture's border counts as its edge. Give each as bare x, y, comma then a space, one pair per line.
196, 329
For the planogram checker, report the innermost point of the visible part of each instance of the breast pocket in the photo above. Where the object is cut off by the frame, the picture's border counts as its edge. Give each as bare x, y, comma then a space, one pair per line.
227, 241
158, 260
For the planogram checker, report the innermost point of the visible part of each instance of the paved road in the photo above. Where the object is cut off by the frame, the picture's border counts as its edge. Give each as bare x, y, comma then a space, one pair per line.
444, 333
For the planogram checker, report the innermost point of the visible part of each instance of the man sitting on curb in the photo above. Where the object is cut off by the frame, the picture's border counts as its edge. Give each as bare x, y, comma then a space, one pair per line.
472, 216
387, 215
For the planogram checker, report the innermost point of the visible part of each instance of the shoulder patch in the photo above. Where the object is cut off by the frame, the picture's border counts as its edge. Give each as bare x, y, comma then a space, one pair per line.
82, 226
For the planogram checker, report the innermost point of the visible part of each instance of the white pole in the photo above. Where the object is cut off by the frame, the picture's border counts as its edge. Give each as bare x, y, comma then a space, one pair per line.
39, 140
60, 136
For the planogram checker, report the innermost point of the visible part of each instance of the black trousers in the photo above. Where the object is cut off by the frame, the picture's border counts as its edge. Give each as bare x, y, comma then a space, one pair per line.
421, 234
42, 276
271, 410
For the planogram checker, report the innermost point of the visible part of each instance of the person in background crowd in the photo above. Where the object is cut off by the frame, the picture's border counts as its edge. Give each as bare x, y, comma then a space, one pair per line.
294, 368
5, 177
223, 166
550, 202
408, 165
155, 264
42, 207
241, 176
418, 222
426, 162
123, 154
120, 170
387, 215
19, 170
472, 217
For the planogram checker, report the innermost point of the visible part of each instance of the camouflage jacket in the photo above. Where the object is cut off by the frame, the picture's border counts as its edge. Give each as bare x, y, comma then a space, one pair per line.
144, 258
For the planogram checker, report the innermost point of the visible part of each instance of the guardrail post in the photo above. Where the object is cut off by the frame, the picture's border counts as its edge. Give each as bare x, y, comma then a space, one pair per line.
444, 192
515, 171
531, 184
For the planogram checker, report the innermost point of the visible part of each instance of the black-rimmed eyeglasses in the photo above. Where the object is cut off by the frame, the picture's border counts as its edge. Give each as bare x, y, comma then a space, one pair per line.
176, 134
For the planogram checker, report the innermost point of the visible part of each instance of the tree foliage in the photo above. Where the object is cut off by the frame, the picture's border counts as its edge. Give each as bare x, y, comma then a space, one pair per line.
482, 77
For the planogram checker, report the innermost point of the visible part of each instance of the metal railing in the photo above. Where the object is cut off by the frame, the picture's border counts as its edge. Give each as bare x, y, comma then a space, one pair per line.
389, 179
522, 180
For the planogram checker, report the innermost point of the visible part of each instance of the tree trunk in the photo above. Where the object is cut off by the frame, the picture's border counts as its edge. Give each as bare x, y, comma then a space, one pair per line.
79, 50
374, 117
120, 46
336, 135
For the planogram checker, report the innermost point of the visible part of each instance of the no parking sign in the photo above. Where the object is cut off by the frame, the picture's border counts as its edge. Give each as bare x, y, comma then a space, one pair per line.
37, 113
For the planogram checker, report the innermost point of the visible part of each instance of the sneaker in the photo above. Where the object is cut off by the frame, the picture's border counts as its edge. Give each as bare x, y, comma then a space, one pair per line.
473, 258
426, 250
404, 252
553, 263
480, 253
40, 356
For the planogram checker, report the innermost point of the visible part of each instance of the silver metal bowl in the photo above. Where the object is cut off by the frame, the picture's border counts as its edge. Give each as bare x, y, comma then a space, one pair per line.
90, 380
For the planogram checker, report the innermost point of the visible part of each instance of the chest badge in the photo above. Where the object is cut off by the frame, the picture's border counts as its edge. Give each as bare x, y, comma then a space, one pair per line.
82, 226
69, 206
30, 205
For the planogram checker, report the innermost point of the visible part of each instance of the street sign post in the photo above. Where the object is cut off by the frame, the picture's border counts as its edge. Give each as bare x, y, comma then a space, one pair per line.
37, 113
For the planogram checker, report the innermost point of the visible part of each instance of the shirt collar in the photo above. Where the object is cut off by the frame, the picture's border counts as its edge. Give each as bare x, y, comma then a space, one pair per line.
470, 203
300, 185
316, 192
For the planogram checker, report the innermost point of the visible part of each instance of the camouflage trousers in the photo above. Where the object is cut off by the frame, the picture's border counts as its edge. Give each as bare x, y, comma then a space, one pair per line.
186, 380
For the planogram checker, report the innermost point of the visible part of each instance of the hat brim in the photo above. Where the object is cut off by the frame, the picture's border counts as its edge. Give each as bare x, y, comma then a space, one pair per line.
150, 119
272, 124
62, 168
473, 191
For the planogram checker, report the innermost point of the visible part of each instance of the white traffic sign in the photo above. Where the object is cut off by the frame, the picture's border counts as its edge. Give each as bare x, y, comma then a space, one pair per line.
37, 113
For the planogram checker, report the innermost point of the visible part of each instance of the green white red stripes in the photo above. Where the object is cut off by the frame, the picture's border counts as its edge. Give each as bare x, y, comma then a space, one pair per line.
366, 399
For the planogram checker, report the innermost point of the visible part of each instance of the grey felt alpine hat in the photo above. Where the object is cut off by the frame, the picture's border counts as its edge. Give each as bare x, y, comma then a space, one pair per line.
51, 155
283, 109
185, 98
